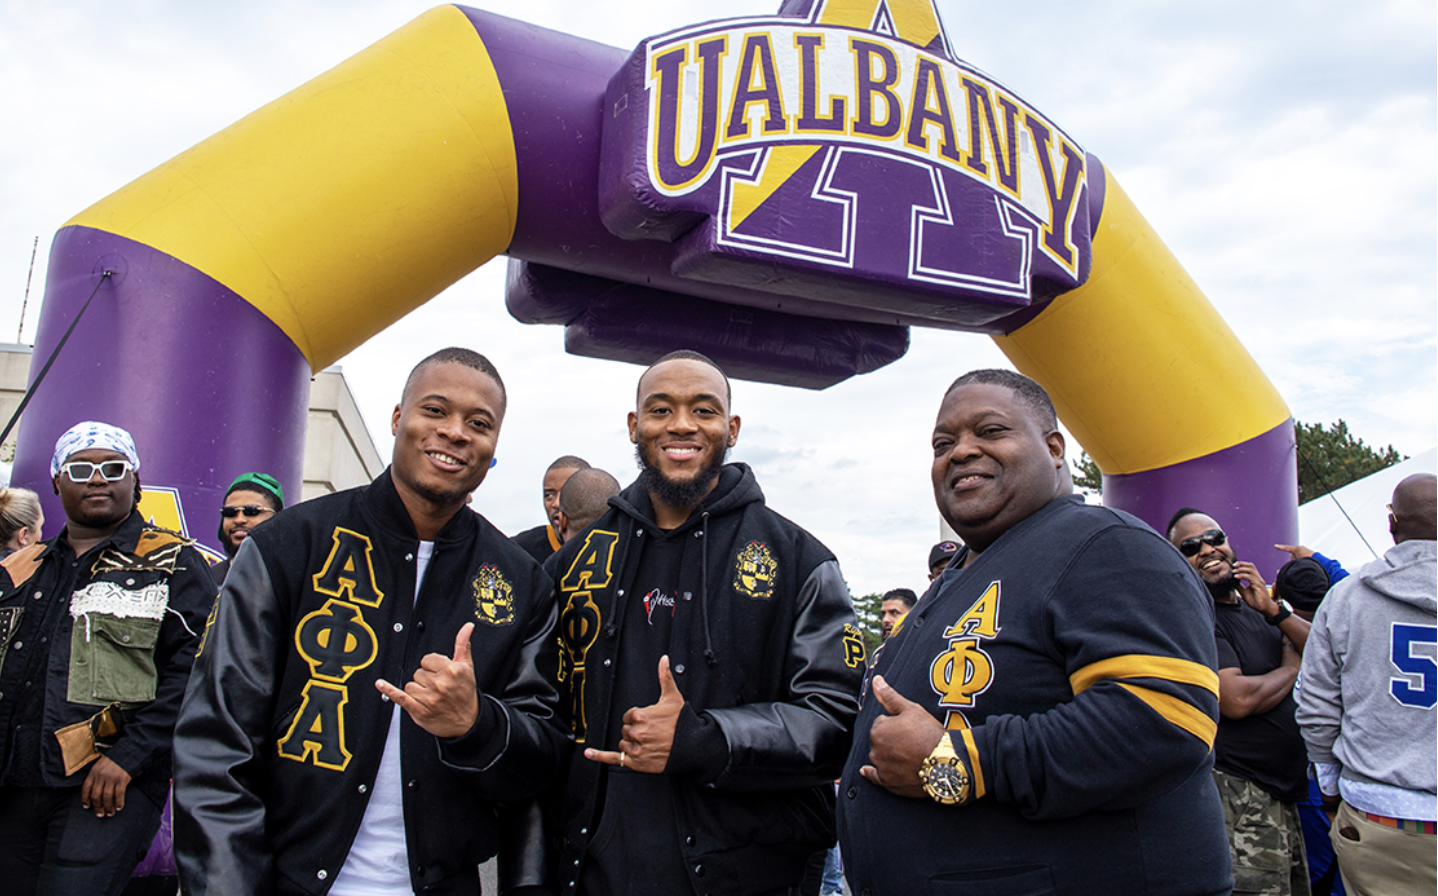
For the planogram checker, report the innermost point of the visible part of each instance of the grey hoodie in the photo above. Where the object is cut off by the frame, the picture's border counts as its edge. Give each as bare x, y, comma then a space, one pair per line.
1370, 680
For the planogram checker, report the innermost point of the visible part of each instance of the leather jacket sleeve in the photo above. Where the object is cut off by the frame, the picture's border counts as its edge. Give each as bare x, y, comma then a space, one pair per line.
220, 843
802, 740
513, 750
146, 742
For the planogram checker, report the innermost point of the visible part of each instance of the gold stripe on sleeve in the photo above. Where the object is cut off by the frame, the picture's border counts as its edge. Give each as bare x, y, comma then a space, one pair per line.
1178, 712
1137, 665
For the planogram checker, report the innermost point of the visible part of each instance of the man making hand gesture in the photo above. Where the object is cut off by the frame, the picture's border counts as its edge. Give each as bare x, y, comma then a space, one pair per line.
294, 771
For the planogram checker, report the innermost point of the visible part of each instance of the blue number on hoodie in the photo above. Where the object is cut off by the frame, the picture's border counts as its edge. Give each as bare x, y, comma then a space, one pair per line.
1405, 638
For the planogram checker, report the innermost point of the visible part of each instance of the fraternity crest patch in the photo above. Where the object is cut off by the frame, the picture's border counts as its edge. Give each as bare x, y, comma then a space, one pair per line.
755, 571
493, 597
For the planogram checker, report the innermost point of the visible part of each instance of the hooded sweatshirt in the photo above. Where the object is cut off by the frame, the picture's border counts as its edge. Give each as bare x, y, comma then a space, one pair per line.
1370, 684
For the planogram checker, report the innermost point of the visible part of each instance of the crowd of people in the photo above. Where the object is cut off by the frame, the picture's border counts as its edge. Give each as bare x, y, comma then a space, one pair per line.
663, 689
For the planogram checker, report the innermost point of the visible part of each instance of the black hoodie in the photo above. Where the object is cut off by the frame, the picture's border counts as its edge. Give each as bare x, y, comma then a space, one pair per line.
769, 662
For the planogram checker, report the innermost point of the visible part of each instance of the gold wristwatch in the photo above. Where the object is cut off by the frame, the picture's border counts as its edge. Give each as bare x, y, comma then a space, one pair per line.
944, 776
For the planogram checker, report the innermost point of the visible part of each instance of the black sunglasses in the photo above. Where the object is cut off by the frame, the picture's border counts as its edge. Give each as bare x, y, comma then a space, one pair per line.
250, 510
1214, 538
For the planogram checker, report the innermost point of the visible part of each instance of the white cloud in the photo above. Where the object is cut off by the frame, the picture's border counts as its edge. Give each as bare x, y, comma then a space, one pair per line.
1283, 150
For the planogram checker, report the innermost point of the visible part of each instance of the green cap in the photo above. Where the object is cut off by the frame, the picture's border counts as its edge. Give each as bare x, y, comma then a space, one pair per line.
260, 481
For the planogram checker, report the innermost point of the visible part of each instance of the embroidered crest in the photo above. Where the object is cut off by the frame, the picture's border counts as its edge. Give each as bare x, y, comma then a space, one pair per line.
493, 597
755, 571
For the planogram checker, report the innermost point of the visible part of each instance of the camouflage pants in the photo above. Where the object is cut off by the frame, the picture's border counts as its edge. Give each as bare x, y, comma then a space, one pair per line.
1265, 838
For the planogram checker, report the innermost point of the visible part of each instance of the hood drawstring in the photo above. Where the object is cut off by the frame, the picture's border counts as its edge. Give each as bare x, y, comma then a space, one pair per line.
704, 587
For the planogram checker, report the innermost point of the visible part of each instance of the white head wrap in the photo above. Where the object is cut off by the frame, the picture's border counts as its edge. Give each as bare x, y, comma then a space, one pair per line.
92, 434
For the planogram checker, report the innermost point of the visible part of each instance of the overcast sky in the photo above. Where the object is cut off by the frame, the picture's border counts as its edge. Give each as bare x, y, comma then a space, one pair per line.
1284, 150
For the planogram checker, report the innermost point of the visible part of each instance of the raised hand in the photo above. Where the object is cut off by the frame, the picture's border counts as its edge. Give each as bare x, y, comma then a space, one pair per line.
647, 737
1252, 588
441, 698
900, 742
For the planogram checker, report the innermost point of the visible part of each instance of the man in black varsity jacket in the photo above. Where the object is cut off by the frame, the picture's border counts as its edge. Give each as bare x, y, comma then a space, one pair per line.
711, 666
294, 772
1041, 721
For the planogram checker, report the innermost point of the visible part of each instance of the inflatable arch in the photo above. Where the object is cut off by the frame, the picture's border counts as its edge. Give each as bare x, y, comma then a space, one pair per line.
788, 193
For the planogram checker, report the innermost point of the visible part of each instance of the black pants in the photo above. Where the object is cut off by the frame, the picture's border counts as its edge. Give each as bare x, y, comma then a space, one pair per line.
51, 846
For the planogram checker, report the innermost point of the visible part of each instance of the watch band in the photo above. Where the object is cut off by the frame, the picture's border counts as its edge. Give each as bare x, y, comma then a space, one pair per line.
1284, 611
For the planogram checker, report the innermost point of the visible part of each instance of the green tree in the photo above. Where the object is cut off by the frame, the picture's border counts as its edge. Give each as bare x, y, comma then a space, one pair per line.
1087, 475
1330, 457
869, 609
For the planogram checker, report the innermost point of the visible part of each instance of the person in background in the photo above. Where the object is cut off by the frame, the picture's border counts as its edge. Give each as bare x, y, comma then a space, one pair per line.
542, 541
21, 520
939, 557
1258, 756
250, 500
894, 606
583, 500
1367, 703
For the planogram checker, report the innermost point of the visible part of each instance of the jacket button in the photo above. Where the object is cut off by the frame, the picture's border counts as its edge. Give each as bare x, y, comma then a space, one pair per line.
363, 788
621, 592
322, 874
852, 792
409, 556
679, 669
606, 662
698, 870
584, 831
398, 627
17, 645
413, 784
699, 533
125, 638
419, 626
689, 841
39, 594
419, 871
129, 581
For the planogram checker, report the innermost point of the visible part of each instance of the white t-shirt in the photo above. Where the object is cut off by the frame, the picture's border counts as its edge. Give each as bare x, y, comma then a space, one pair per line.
378, 862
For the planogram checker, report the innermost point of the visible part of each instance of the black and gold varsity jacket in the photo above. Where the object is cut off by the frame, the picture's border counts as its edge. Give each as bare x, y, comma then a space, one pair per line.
282, 730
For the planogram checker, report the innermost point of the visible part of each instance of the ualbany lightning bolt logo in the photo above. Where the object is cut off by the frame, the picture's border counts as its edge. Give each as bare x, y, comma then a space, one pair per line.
964, 671
845, 134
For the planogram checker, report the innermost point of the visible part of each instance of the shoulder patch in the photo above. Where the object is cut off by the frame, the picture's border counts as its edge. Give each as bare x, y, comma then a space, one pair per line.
22, 564
755, 571
493, 597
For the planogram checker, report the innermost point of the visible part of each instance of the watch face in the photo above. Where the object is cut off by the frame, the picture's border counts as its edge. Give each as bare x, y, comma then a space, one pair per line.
946, 782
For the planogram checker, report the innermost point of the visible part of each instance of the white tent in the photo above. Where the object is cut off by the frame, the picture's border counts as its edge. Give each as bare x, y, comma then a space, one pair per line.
1323, 527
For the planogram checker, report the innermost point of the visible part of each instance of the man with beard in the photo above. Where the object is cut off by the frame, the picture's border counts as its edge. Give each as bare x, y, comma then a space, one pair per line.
711, 662
98, 628
1259, 759
294, 772
250, 500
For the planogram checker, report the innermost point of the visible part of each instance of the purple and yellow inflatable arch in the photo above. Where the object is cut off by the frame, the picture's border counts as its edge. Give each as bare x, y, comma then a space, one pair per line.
788, 193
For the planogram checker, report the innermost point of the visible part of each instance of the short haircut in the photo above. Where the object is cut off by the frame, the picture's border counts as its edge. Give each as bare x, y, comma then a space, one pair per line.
685, 354
456, 355
19, 508
1180, 514
568, 462
1029, 392
902, 594
584, 497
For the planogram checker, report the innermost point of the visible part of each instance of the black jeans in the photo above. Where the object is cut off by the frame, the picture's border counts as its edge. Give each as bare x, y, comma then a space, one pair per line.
51, 846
